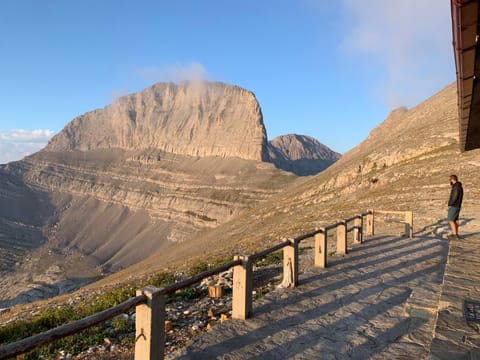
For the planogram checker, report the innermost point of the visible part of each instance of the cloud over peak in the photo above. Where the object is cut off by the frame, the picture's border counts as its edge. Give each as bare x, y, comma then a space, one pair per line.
15, 144
177, 73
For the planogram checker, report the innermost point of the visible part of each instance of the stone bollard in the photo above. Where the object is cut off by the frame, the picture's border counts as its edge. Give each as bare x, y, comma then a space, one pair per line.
321, 249
242, 288
342, 238
150, 325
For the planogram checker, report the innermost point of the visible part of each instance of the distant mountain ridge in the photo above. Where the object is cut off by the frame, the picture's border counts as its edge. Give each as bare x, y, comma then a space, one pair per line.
301, 154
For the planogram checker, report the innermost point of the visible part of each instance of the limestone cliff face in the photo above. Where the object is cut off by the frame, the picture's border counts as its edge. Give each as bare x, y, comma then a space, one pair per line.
301, 154
195, 119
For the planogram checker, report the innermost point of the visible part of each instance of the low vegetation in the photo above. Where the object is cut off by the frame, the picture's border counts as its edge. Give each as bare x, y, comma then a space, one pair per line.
120, 327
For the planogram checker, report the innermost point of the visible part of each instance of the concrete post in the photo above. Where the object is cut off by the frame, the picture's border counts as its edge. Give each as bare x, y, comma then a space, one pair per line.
370, 228
409, 224
357, 231
242, 288
150, 325
290, 263
342, 238
321, 249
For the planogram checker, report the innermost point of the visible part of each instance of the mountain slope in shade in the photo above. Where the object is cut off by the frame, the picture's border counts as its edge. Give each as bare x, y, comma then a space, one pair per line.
301, 154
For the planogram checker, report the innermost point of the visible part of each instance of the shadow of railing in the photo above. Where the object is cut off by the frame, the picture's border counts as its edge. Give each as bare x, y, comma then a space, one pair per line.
383, 282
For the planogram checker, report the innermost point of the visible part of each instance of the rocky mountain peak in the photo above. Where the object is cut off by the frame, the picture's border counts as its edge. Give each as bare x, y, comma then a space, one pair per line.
301, 154
195, 119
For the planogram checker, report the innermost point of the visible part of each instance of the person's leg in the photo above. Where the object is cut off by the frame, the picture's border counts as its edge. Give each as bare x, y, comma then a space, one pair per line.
453, 226
452, 219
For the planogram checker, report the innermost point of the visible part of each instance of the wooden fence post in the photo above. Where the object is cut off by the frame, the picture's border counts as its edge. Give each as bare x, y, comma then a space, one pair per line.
409, 224
321, 249
370, 228
361, 228
290, 264
150, 325
342, 238
357, 231
242, 288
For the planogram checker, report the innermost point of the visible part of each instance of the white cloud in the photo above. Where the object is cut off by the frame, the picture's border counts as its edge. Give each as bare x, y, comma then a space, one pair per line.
177, 73
15, 144
409, 39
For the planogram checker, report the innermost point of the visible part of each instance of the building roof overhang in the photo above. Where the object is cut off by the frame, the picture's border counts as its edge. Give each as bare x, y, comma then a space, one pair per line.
465, 30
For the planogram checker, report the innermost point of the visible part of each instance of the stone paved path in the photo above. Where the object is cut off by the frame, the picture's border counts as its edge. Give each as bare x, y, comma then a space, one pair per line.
378, 302
454, 339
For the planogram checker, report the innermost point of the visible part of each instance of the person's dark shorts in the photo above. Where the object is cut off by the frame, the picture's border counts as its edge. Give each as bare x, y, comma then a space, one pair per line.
453, 213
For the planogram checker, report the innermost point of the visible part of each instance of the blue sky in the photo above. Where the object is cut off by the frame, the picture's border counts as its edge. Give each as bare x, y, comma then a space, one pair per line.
329, 69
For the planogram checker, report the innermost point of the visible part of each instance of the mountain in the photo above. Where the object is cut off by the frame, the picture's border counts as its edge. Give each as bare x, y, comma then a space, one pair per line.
118, 184
300, 154
404, 164
194, 119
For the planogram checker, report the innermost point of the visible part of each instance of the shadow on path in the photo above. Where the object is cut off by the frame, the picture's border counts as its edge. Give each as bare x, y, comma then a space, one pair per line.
353, 309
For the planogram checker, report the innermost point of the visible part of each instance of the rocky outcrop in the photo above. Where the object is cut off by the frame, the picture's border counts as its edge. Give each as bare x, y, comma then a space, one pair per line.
300, 154
195, 119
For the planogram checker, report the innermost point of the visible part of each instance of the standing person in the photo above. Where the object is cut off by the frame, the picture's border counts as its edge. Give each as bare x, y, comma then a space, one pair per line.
454, 205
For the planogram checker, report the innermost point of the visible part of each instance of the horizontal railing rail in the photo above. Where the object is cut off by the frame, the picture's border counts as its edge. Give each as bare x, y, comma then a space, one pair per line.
150, 301
270, 250
199, 277
407, 219
307, 235
32, 342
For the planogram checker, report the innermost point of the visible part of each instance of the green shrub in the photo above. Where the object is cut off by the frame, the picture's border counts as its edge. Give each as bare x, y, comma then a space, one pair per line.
189, 293
162, 279
50, 318
122, 325
273, 258
261, 293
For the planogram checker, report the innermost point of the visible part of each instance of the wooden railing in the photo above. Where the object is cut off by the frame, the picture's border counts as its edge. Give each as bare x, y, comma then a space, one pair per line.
149, 302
